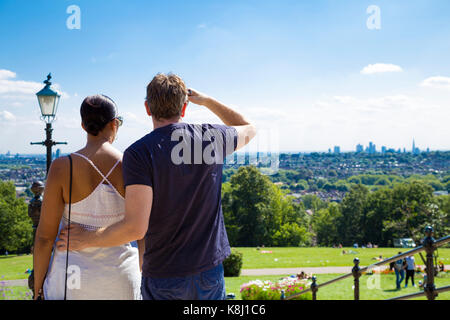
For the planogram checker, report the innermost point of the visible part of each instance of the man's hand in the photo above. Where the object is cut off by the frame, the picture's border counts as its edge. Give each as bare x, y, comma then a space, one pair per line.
198, 97
79, 238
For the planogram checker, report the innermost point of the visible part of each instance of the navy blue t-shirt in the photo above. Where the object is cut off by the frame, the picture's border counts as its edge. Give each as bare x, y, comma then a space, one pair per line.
183, 164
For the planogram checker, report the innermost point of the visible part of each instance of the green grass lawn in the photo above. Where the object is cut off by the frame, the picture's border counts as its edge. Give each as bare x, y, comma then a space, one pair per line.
321, 257
342, 290
14, 267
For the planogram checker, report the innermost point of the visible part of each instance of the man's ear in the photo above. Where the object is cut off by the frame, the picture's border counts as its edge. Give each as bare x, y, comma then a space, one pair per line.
183, 110
147, 108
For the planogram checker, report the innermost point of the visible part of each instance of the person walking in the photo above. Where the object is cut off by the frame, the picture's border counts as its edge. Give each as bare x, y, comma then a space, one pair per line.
399, 268
410, 270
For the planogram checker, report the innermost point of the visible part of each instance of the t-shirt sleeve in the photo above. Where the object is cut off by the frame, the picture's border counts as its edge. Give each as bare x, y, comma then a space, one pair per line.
136, 169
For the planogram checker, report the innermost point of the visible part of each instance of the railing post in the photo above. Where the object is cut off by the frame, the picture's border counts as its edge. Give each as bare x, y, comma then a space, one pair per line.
428, 244
314, 288
356, 274
34, 212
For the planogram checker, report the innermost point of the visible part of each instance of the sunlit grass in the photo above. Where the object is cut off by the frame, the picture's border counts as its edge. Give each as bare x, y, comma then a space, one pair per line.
15, 267
321, 257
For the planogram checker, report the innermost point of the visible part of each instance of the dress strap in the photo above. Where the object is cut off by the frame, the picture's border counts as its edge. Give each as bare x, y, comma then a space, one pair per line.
105, 178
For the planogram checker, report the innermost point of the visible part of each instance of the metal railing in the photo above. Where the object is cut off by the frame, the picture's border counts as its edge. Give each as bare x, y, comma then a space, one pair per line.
429, 246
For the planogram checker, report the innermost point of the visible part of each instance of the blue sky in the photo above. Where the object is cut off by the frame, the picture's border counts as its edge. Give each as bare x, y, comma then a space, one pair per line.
301, 70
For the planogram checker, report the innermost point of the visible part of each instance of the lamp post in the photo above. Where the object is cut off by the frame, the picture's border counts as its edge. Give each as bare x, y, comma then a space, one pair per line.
48, 102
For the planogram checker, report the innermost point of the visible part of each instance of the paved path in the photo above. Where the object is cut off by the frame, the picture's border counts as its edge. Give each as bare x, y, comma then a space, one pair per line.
15, 283
313, 270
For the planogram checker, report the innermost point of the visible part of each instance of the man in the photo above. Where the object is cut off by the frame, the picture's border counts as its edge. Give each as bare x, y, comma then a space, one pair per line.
173, 178
410, 269
399, 271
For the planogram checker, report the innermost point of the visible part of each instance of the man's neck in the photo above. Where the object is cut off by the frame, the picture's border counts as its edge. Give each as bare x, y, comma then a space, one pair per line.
164, 122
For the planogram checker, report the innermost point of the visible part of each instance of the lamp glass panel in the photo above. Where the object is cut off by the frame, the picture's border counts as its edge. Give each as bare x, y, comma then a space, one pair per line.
47, 104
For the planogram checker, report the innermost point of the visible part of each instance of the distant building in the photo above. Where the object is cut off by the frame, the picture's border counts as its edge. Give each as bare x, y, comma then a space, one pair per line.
58, 153
247, 158
372, 148
383, 149
337, 149
359, 148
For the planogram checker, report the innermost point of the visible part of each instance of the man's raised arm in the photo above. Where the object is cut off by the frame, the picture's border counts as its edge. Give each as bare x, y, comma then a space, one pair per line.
246, 131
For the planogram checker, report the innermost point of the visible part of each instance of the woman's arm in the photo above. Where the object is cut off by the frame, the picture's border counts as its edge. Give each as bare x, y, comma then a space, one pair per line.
51, 212
141, 248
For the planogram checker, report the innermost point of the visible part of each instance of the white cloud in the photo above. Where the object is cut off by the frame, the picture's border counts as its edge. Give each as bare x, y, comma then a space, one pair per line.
13, 89
437, 82
380, 68
7, 116
6, 74
131, 118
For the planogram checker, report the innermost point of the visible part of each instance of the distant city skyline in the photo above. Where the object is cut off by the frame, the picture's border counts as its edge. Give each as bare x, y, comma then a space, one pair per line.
372, 148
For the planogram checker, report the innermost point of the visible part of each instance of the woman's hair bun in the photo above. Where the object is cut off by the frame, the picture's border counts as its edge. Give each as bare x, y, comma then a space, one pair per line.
93, 128
96, 111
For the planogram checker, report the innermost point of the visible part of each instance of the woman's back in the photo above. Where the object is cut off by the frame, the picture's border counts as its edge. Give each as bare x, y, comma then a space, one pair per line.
103, 205
97, 201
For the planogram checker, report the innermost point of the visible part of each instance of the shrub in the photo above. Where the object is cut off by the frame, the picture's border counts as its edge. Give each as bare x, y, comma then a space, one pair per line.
232, 265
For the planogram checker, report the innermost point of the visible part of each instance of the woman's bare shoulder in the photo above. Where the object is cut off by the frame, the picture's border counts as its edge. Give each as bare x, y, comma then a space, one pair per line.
59, 170
116, 154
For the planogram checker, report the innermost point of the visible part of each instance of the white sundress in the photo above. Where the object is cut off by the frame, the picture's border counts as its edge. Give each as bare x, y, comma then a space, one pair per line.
95, 273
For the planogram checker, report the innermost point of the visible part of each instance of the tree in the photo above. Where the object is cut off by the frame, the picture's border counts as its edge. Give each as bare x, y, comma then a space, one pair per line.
352, 219
258, 212
324, 225
291, 235
411, 210
247, 205
16, 231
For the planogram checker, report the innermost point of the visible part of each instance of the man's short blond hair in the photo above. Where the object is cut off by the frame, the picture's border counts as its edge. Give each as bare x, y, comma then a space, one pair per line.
166, 95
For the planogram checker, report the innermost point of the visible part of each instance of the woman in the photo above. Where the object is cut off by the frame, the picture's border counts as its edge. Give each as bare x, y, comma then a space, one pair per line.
97, 200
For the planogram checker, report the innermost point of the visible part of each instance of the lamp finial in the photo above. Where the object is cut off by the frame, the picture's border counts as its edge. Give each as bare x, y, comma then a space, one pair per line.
47, 82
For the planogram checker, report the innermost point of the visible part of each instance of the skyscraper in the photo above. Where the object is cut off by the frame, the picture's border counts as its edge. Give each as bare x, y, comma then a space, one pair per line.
372, 148
359, 148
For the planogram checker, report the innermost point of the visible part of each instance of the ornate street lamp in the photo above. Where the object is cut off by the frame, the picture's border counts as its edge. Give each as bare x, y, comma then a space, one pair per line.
48, 102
